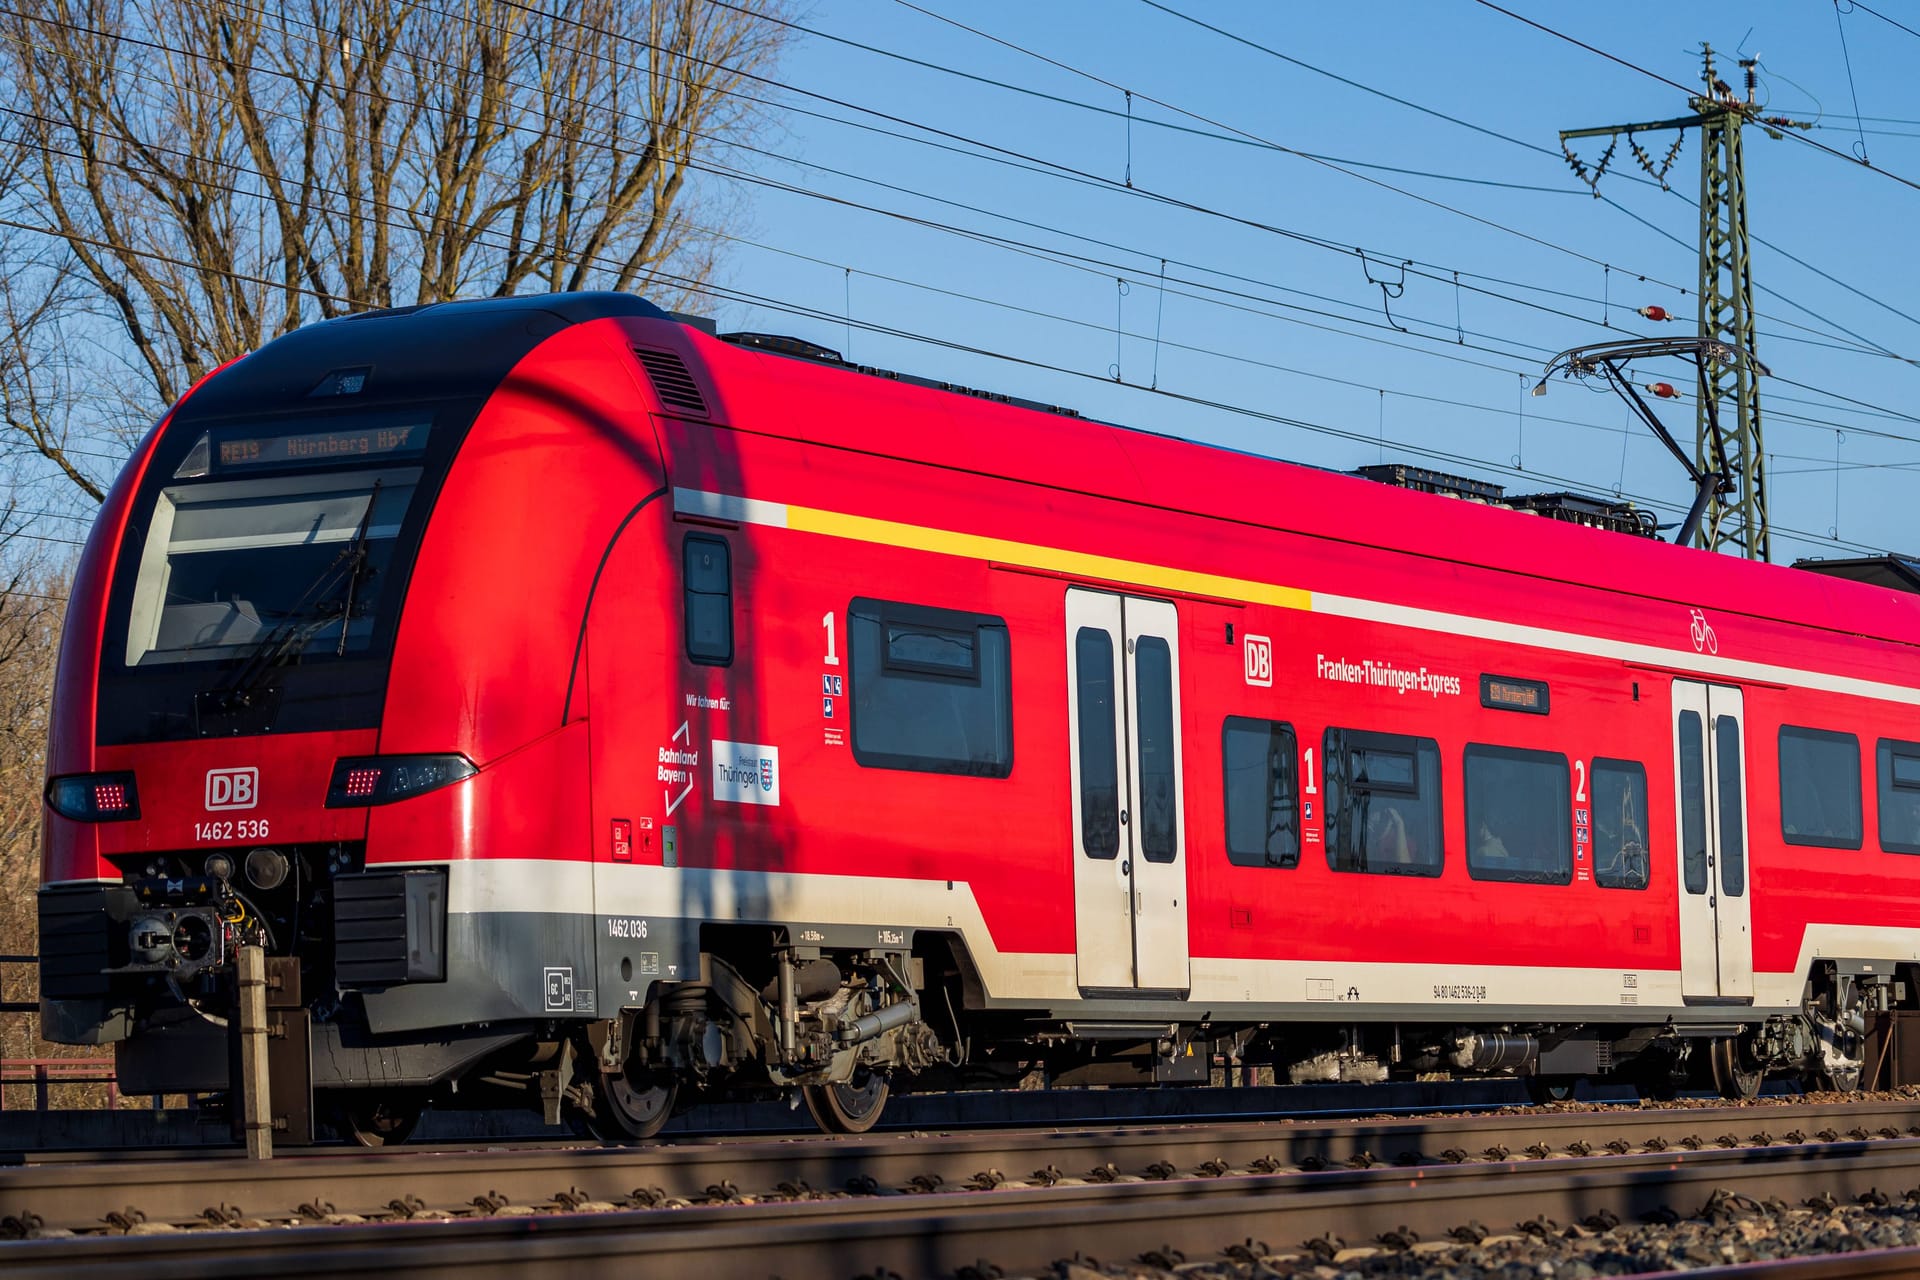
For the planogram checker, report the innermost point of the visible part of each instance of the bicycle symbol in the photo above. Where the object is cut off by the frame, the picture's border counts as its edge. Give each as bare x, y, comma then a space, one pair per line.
1701, 633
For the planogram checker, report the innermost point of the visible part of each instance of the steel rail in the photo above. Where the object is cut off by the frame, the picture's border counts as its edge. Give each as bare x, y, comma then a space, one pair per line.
1867, 1264
1017, 1230
350, 1181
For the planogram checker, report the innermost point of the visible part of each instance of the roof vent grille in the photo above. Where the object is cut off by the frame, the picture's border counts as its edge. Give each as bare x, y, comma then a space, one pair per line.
671, 381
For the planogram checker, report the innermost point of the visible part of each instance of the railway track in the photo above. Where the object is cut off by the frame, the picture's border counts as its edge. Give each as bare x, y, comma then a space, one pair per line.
917, 1204
1030, 1229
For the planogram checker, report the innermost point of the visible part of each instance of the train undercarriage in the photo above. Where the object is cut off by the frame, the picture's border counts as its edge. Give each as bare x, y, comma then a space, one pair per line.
848, 1030
148, 966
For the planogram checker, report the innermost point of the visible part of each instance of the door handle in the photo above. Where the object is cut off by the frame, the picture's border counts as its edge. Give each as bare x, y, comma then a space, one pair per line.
1126, 867
1123, 817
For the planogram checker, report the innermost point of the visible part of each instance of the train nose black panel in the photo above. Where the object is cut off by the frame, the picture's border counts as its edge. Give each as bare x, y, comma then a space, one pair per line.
390, 927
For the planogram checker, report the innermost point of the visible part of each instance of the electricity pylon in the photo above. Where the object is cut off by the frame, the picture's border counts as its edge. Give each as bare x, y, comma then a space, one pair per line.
1735, 521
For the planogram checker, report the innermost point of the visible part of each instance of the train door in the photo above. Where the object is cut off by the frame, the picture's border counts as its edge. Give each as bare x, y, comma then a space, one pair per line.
1710, 782
1123, 708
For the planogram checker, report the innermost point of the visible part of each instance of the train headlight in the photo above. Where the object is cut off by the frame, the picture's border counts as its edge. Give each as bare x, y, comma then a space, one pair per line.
266, 868
94, 797
359, 781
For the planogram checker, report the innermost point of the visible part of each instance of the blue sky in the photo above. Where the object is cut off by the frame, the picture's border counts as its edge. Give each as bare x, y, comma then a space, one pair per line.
1011, 229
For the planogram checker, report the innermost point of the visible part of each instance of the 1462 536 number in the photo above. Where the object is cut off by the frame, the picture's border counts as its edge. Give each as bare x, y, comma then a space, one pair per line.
244, 829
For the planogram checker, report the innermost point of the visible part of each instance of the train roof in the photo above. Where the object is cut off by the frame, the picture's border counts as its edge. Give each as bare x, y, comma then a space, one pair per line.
436, 350
1895, 572
467, 347
992, 434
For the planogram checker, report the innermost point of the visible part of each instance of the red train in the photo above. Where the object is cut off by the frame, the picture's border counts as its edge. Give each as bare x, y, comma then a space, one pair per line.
585, 709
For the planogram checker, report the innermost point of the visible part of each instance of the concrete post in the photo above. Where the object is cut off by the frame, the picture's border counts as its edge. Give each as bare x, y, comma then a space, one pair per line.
256, 1112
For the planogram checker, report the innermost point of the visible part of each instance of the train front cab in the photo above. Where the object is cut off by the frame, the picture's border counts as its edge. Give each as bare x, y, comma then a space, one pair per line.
303, 700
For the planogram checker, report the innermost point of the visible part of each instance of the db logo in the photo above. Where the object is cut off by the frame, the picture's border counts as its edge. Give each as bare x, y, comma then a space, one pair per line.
233, 788
1259, 651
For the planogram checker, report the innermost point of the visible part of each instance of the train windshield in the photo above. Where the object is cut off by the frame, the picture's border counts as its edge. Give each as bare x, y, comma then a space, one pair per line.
236, 562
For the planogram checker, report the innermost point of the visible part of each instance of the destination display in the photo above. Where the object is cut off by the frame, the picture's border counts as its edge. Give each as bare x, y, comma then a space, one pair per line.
319, 448
1504, 693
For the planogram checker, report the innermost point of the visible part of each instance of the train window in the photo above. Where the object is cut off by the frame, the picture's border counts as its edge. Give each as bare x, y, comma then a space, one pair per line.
1899, 795
1819, 788
1693, 803
1099, 753
1621, 857
1383, 803
230, 565
1154, 741
709, 573
931, 689
1263, 804
1726, 768
1517, 815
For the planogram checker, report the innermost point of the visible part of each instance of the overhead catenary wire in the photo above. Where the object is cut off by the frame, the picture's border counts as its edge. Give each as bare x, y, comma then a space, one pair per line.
811, 193
1434, 274
1278, 146
1219, 135
1873, 12
1214, 135
1254, 139
1099, 326
1795, 135
1240, 411
1522, 143
1349, 319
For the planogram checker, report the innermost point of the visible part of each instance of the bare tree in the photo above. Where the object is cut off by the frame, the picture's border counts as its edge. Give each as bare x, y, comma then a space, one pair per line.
32, 602
39, 296
222, 173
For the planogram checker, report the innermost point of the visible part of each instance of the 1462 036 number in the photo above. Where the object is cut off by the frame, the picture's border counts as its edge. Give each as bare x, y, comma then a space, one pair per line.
244, 829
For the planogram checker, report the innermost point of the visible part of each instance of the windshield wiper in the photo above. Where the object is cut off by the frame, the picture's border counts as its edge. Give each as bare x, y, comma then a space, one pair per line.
357, 552
303, 621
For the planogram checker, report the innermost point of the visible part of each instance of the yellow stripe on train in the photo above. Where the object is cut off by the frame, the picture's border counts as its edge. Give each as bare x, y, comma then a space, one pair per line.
1029, 555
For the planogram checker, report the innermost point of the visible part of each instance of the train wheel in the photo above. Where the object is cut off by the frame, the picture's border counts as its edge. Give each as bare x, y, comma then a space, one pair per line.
848, 1108
1732, 1076
1544, 1089
625, 1111
366, 1119
1839, 1075
1654, 1078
